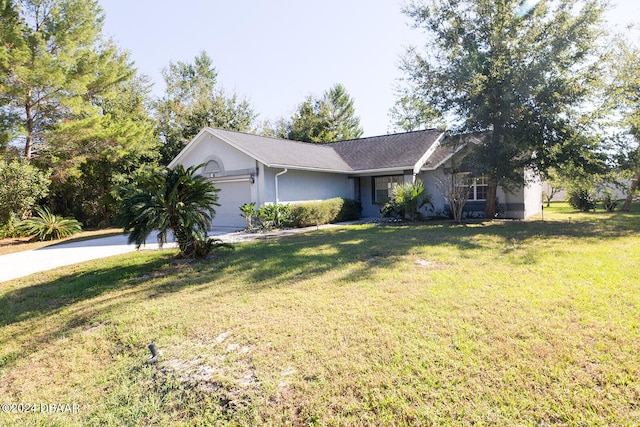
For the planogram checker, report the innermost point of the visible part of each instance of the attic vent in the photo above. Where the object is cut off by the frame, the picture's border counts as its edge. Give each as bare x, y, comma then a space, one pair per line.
212, 168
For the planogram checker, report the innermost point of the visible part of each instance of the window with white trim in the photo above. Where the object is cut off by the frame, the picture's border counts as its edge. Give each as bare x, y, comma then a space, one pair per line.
477, 186
480, 186
382, 186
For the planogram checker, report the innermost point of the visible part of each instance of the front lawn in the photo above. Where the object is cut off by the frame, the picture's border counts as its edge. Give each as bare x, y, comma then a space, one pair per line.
502, 323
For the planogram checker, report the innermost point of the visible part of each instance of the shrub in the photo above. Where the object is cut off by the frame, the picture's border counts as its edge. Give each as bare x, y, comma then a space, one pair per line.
304, 214
349, 211
21, 187
274, 216
12, 227
406, 199
202, 248
609, 202
177, 200
582, 199
47, 226
249, 213
314, 213
328, 211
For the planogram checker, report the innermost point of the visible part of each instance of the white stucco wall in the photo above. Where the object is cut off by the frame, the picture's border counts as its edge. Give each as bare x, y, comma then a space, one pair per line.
234, 181
209, 147
524, 202
297, 186
532, 194
431, 181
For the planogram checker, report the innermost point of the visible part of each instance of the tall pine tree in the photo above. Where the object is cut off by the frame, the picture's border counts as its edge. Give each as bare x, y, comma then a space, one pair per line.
53, 64
327, 119
70, 100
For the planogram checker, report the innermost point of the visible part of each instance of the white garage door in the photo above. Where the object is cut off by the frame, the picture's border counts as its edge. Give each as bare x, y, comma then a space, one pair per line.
231, 196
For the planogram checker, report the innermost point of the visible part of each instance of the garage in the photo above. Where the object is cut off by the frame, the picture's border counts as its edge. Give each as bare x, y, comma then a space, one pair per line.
233, 194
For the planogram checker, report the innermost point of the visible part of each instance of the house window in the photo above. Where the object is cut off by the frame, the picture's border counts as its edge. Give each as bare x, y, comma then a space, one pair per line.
477, 186
480, 186
382, 186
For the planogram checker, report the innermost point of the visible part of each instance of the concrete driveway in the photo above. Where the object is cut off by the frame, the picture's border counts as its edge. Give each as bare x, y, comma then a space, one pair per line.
20, 264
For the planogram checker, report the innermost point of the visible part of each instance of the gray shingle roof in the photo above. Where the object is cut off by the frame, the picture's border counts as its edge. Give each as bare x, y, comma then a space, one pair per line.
442, 153
275, 152
401, 151
396, 151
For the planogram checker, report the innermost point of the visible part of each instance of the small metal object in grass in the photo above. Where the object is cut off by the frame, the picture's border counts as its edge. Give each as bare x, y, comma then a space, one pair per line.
155, 353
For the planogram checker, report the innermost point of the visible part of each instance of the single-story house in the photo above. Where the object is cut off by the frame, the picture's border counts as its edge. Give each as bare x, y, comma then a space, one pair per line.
252, 168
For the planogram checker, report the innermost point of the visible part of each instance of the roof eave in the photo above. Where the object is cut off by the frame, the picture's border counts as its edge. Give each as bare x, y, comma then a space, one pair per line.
380, 170
441, 162
307, 168
418, 166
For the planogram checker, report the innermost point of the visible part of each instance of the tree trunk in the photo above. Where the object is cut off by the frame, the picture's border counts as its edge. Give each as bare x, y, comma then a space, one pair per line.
492, 189
29, 122
632, 191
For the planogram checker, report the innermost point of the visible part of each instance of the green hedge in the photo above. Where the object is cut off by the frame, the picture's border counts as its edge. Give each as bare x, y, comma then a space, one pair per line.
328, 211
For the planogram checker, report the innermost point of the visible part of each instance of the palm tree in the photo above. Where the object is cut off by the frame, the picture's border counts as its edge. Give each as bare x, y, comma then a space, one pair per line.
170, 199
406, 199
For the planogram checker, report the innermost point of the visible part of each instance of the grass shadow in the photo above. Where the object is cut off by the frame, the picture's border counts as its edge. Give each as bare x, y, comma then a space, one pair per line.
291, 258
94, 279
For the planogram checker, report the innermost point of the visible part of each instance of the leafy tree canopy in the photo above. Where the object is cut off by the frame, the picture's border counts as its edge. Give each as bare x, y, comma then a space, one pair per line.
193, 101
625, 91
89, 158
411, 112
21, 187
73, 103
523, 76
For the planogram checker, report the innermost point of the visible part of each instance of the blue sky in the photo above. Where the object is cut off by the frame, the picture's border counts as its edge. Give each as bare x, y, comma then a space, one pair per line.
277, 52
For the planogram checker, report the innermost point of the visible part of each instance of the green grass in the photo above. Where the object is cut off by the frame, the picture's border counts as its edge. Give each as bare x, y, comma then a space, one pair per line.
503, 323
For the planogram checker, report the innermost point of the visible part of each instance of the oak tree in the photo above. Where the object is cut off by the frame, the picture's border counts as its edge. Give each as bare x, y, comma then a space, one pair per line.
522, 74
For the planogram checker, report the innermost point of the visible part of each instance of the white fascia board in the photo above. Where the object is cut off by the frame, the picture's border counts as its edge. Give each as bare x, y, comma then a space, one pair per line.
445, 159
427, 154
307, 168
368, 172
